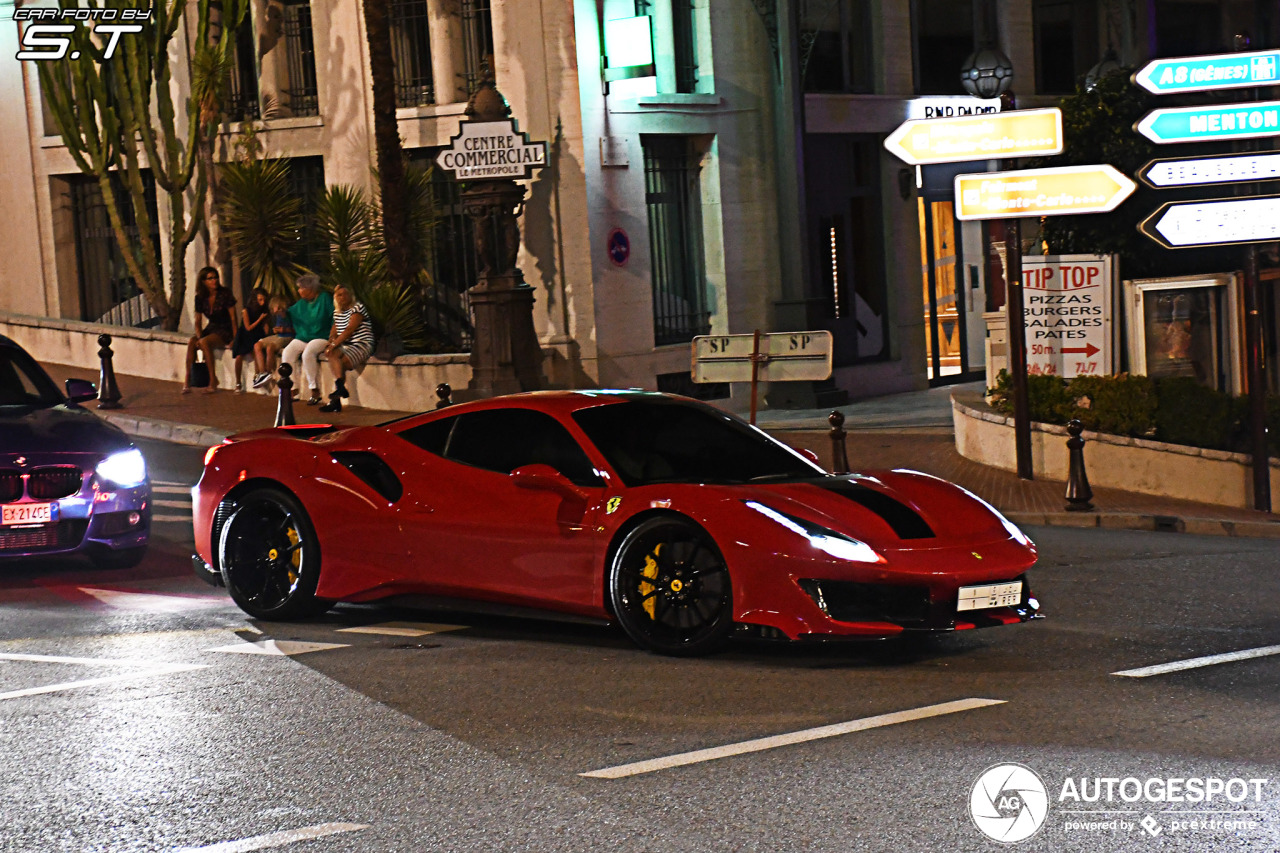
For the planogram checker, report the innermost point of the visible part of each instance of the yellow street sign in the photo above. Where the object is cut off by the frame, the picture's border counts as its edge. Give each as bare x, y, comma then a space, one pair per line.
1041, 192
1018, 133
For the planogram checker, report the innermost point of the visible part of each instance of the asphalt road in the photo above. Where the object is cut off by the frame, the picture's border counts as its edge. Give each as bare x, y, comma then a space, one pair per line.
131, 718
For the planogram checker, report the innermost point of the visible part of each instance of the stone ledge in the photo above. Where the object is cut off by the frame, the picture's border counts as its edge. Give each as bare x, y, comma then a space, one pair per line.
972, 404
1134, 465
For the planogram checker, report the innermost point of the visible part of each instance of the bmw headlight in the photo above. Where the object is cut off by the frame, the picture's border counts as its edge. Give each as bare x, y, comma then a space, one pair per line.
828, 541
126, 468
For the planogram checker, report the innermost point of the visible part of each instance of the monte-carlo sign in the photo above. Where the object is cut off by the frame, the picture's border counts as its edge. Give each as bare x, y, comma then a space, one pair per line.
492, 149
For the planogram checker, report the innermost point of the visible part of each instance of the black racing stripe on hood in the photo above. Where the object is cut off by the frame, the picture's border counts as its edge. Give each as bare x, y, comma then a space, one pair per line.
905, 521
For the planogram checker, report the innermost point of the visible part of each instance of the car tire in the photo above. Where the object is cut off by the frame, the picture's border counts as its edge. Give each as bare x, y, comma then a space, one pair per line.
125, 558
670, 588
269, 557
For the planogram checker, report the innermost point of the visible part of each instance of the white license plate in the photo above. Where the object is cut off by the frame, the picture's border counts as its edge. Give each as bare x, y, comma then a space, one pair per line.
991, 595
26, 514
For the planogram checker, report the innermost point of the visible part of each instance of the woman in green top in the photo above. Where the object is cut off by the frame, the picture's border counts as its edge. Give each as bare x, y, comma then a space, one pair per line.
312, 317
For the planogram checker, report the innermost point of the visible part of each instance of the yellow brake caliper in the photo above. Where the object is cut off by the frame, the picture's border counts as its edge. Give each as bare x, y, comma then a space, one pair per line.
650, 571
296, 557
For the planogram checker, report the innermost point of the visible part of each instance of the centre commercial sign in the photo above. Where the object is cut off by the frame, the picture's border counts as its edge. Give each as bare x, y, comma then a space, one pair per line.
492, 149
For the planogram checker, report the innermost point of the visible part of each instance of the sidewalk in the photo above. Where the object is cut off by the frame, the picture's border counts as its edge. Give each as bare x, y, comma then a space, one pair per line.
910, 430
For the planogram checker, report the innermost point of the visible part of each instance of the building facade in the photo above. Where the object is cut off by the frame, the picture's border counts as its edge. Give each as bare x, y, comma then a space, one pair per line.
715, 166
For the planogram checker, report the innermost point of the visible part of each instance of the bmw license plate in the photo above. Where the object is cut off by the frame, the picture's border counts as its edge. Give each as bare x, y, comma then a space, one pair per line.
991, 595
26, 514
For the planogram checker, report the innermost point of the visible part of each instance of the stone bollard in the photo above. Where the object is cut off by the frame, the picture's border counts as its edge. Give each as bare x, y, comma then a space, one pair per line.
444, 392
1079, 495
839, 453
284, 408
108, 391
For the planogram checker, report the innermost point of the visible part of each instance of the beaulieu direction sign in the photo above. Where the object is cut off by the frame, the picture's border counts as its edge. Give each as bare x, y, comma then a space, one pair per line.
492, 149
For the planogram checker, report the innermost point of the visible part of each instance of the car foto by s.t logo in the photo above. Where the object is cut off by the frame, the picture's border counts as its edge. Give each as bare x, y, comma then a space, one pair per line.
1009, 803
50, 41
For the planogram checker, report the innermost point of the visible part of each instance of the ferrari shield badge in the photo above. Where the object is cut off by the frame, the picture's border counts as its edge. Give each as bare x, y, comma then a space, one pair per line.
611, 506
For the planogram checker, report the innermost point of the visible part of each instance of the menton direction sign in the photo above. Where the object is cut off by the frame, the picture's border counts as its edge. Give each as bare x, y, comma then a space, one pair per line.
1222, 221
1211, 124
1226, 169
1203, 73
492, 149
1041, 192
1020, 133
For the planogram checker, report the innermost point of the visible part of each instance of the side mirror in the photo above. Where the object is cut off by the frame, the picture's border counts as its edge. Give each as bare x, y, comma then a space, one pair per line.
81, 390
810, 455
545, 478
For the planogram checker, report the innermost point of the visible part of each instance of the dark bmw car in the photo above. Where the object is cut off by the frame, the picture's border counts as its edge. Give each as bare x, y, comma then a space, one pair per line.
69, 481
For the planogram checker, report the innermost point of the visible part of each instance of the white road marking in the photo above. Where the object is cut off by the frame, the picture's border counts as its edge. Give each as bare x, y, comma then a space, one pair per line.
149, 669
1193, 663
174, 489
402, 629
285, 648
180, 519
276, 839
804, 736
156, 484
151, 602
173, 504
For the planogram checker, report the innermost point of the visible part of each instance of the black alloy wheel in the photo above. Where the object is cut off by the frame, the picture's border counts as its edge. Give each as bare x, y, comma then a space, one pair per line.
670, 588
270, 557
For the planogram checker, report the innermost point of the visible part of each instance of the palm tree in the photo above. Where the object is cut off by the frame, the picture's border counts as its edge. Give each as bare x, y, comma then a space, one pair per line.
386, 132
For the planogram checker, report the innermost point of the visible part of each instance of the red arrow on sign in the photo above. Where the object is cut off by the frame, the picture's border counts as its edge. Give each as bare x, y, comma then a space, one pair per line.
1087, 350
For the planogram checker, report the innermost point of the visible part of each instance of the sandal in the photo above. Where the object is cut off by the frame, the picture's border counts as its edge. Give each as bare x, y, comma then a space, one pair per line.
314, 400
186, 389
210, 390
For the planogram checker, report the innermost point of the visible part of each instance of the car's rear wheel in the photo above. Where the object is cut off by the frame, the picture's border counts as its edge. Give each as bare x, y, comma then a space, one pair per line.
670, 588
270, 557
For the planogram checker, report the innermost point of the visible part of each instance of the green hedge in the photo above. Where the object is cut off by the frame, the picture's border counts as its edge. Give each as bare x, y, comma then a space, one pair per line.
1178, 410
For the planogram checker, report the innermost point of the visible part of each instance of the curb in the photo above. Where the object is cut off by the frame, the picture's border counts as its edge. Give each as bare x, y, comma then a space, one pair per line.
1155, 523
195, 435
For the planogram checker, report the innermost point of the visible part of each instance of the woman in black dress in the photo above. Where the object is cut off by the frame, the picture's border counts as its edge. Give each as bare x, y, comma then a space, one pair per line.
253, 327
215, 324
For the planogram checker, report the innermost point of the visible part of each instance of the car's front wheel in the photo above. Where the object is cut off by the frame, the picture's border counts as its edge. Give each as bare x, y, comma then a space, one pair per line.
670, 588
270, 557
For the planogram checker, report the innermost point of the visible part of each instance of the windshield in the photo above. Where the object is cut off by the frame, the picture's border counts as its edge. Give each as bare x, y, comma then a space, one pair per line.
654, 441
23, 382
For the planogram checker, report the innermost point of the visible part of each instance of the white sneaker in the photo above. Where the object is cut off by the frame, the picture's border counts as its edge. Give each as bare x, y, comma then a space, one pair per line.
261, 379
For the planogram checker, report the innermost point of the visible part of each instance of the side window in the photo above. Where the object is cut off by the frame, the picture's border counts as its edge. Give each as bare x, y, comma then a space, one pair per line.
432, 436
506, 439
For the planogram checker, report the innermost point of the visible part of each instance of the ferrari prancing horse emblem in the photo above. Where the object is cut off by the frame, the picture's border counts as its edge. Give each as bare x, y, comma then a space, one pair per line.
612, 505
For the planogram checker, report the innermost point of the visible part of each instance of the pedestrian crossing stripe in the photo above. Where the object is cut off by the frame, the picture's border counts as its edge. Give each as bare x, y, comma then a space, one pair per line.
151, 602
280, 648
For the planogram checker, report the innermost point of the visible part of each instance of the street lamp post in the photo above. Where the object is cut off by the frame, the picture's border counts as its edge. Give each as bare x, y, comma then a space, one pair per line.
988, 73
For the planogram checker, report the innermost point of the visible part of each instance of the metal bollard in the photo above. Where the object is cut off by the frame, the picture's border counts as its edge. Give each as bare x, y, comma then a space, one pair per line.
839, 453
284, 408
1079, 495
108, 391
444, 392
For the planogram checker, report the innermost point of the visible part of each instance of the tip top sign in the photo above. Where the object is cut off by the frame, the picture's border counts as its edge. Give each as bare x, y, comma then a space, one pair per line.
492, 149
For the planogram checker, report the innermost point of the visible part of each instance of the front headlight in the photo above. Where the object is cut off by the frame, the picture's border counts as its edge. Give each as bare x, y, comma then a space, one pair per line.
126, 468
828, 541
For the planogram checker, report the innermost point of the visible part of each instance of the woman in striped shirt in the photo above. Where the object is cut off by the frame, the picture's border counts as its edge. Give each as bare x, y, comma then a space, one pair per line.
350, 343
